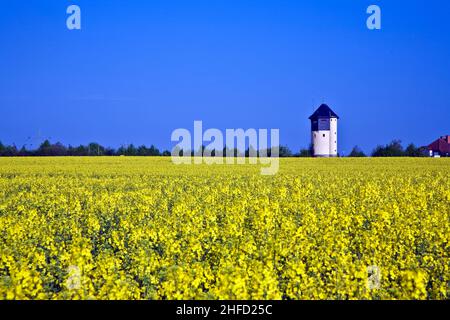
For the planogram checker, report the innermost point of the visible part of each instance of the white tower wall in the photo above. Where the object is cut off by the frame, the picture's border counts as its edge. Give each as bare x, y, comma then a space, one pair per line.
333, 137
321, 143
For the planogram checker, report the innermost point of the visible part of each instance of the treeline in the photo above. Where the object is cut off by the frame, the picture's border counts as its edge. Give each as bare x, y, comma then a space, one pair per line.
47, 149
393, 149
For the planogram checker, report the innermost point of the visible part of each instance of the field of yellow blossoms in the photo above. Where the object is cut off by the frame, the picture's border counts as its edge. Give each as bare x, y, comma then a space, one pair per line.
144, 228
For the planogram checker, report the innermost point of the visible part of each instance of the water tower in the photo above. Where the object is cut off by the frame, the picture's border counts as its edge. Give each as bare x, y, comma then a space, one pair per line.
324, 125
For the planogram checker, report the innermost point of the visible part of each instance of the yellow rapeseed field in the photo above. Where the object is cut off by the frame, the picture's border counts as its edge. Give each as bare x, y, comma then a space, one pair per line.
144, 228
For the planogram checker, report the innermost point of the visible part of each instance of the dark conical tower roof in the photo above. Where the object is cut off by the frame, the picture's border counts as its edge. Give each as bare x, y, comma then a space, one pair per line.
324, 111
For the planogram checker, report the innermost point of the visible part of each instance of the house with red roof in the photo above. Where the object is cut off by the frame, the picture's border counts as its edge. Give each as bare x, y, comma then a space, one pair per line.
440, 147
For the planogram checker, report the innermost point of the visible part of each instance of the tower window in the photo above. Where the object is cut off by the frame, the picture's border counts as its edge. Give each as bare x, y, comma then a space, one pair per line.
324, 135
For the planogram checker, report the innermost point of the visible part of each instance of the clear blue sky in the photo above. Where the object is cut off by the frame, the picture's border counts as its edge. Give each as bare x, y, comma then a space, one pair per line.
139, 69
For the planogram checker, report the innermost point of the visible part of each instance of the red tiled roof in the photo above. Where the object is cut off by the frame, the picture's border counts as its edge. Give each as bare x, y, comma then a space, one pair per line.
441, 145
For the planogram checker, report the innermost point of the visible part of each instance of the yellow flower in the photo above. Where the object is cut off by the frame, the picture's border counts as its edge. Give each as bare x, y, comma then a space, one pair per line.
143, 228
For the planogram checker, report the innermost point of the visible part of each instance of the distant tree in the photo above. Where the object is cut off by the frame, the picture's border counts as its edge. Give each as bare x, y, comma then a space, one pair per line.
424, 152
122, 151
394, 149
44, 148
237, 153
224, 152
81, 151
131, 151
9, 151
199, 152
285, 152
148, 152
233, 152
109, 152
215, 152
265, 152
23, 152
357, 153
153, 151
142, 151
412, 151
58, 149
304, 153
95, 149
166, 153
70, 150
178, 151
251, 152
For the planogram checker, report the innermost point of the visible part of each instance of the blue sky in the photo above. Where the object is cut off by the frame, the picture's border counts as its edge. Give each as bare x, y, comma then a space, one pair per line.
140, 69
